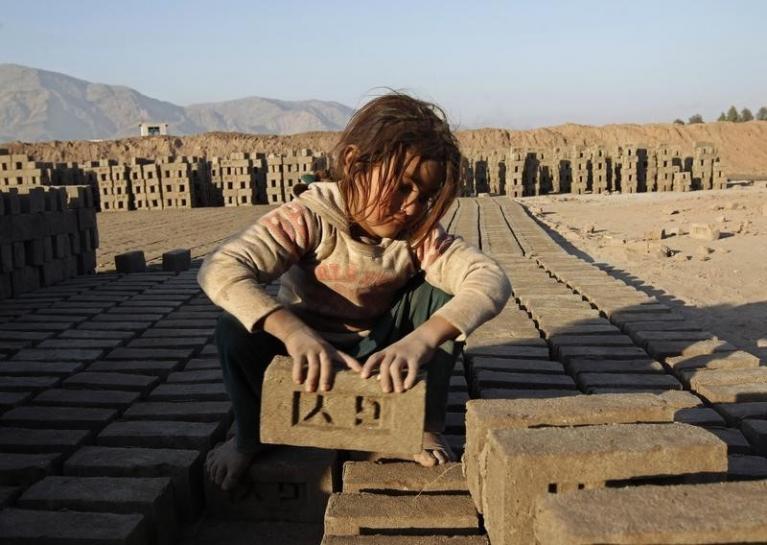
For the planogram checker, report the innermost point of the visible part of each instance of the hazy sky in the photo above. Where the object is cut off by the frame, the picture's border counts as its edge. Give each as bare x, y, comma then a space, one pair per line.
509, 64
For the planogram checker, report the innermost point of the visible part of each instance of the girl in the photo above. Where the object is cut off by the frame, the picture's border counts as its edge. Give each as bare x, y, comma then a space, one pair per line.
369, 279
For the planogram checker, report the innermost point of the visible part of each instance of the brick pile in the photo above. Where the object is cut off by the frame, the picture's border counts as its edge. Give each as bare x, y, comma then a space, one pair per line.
46, 235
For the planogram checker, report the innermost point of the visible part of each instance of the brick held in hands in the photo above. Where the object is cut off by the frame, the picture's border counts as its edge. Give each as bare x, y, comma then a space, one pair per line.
355, 414
130, 262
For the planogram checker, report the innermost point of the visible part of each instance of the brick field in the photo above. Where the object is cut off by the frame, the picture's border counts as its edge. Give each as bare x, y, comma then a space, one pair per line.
570, 408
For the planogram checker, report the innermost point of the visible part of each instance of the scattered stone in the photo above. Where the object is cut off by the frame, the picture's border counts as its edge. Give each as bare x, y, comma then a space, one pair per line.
743, 227
703, 252
655, 234
702, 231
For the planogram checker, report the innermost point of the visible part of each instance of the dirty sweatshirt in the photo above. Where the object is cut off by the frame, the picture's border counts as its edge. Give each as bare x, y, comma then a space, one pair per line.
339, 285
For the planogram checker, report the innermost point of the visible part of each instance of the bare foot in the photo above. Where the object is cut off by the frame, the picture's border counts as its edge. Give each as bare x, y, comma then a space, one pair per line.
226, 465
435, 451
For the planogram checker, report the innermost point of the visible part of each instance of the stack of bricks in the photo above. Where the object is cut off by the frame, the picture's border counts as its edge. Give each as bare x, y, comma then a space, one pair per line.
113, 183
145, 181
178, 182
580, 170
238, 180
46, 235
600, 170
285, 171
515, 173
17, 171
702, 167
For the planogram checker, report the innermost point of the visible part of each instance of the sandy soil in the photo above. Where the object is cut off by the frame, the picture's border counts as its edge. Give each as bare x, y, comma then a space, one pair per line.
155, 232
742, 146
722, 283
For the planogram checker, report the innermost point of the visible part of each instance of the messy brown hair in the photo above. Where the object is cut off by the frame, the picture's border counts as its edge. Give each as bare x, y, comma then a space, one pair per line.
391, 131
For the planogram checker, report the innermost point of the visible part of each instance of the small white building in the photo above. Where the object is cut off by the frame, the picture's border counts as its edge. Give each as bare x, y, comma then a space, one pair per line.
150, 128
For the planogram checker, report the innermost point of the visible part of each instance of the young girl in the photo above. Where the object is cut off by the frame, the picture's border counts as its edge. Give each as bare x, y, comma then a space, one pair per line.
369, 279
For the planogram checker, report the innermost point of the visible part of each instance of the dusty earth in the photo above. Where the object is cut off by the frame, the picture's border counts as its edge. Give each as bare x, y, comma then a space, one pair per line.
722, 283
742, 146
157, 231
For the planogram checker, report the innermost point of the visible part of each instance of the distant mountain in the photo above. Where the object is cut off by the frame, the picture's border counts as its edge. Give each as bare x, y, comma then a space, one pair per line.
38, 105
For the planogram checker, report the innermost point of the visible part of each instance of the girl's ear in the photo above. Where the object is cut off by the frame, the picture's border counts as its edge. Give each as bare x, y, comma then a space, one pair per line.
348, 155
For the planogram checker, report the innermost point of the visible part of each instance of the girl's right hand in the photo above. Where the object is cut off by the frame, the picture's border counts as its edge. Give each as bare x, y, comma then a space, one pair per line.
314, 353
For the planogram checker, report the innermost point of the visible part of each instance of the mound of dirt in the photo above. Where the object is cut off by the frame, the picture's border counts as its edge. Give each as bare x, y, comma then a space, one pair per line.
742, 146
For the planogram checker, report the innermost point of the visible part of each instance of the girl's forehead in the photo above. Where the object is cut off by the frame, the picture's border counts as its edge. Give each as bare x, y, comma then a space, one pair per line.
426, 173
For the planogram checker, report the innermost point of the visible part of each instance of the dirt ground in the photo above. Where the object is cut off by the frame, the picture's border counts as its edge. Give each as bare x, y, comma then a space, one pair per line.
155, 232
722, 283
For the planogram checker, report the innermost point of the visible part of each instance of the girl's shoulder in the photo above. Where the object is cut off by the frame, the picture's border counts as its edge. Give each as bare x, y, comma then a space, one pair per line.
324, 200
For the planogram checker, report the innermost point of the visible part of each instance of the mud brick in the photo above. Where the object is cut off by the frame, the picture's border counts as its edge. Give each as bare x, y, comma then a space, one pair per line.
8, 495
403, 477
94, 297
587, 381
27, 383
23, 469
718, 360
50, 318
516, 365
404, 540
703, 513
161, 434
699, 417
355, 514
510, 350
9, 400
59, 417
287, 483
140, 367
151, 353
176, 260
214, 391
577, 366
735, 440
24, 526
202, 364
456, 401
355, 414
166, 342
95, 334
130, 262
741, 467
152, 497
154, 298
138, 310
213, 375
458, 383
643, 337
531, 381
66, 354
634, 328
115, 326
516, 393
665, 349
28, 440
122, 317
735, 412
756, 433
733, 393
696, 378
191, 324
681, 400
622, 318
569, 353
590, 340
485, 415
80, 343
538, 462
115, 381
86, 398
209, 350
196, 411
183, 467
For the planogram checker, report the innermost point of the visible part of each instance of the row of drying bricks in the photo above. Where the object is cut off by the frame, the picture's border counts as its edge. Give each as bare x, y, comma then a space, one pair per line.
111, 396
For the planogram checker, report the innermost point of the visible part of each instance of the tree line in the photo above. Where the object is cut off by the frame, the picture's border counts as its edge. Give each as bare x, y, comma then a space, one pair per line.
732, 115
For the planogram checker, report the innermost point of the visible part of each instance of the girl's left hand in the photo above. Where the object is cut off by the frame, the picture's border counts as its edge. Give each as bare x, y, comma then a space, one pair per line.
409, 353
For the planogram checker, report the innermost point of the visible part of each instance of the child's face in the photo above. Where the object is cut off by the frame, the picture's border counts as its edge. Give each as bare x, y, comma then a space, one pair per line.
419, 184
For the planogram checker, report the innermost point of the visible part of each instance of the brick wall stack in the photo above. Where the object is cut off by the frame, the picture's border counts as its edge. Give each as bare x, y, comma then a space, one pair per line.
237, 180
112, 182
178, 182
47, 234
285, 171
147, 188
18, 171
